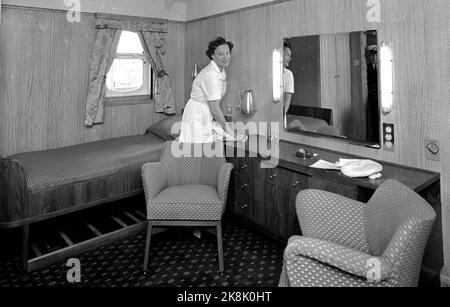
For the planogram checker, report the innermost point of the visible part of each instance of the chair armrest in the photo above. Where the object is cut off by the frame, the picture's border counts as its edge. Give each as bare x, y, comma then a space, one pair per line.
154, 177
346, 259
223, 179
332, 217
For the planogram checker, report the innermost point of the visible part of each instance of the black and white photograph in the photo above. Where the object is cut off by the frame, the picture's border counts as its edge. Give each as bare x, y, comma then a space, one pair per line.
224, 151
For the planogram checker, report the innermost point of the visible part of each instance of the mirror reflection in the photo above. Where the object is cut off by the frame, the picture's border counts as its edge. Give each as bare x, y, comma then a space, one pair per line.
331, 86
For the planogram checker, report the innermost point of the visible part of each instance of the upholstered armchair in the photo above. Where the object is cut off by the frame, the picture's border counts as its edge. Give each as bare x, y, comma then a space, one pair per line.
348, 243
185, 191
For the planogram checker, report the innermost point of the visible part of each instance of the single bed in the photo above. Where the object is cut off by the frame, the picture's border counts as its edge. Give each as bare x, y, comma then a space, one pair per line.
311, 119
39, 185
79, 163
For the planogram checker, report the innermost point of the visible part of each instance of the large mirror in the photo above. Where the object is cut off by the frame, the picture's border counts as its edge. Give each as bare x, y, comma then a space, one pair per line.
331, 86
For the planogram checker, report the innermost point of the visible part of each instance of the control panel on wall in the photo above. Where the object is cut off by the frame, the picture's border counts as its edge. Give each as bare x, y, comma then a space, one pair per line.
388, 137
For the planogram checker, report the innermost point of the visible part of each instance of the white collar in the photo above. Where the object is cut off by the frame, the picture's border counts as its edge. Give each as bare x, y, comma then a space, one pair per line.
222, 73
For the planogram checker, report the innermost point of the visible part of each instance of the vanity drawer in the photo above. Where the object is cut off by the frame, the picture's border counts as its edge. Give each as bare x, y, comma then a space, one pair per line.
276, 176
243, 187
243, 207
345, 189
245, 168
299, 182
286, 178
244, 191
282, 187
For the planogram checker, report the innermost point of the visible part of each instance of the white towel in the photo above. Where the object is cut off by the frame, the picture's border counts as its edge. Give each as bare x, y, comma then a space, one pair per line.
360, 168
353, 168
223, 135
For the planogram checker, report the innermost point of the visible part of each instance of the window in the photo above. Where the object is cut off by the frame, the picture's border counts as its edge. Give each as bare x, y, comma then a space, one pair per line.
130, 78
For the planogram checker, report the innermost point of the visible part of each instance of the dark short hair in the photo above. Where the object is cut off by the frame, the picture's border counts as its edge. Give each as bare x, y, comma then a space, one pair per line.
219, 41
287, 44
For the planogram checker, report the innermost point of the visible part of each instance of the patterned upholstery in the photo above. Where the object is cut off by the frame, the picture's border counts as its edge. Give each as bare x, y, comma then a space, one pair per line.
186, 188
347, 243
186, 202
66, 165
341, 220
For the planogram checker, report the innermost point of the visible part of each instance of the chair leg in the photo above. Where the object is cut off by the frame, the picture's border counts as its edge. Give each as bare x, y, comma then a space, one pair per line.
147, 245
25, 245
220, 247
284, 280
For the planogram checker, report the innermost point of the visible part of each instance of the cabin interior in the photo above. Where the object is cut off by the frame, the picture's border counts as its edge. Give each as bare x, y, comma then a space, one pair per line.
67, 102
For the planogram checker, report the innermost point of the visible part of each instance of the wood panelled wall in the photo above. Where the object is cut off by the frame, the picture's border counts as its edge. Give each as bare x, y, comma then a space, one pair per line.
44, 69
419, 33
336, 92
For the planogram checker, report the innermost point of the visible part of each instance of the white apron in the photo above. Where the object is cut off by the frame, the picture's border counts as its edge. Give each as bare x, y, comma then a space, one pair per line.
198, 123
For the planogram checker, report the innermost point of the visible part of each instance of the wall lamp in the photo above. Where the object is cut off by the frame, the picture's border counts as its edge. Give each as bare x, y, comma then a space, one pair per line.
277, 73
197, 68
386, 77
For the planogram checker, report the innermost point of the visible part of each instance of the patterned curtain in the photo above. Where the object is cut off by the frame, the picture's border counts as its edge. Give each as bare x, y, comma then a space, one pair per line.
102, 59
155, 46
153, 38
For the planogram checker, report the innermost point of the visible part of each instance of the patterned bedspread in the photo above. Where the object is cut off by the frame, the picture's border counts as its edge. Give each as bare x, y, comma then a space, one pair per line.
67, 165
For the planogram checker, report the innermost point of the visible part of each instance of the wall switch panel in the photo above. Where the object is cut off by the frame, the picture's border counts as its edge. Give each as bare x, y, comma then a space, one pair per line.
388, 137
432, 150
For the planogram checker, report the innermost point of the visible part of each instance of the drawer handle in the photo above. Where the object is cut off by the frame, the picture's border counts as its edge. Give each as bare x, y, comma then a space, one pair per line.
296, 183
273, 176
244, 186
244, 167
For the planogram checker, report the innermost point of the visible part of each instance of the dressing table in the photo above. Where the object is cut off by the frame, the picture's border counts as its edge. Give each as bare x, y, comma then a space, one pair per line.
264, 198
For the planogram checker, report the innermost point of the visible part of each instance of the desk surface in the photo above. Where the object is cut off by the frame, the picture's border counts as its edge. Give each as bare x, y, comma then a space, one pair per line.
414, 178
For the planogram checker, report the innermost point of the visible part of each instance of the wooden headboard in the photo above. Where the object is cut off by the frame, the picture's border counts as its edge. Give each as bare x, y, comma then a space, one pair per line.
325, 114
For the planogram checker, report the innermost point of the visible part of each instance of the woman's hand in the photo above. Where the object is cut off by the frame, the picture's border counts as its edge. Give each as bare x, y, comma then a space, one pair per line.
217, 113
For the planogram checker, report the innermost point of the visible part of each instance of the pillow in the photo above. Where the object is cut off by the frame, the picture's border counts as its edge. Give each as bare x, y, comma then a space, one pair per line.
163, 128
296, 124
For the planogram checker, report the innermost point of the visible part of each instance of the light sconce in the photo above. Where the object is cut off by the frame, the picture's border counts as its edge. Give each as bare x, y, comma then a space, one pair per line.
386, 77
247, 101
277, 73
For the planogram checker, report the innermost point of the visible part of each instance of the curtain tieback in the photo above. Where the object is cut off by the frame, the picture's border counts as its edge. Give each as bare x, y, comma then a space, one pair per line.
162, 73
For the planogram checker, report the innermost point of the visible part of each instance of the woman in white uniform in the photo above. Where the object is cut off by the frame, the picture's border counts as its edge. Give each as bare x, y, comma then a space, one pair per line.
288, 77
202, 114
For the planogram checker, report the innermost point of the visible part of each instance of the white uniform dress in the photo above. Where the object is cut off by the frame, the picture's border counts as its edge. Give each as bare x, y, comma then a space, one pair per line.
197, 123
288, 81
288, 78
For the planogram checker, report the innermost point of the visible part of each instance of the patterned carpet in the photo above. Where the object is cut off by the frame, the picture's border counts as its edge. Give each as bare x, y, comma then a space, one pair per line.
177, 259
